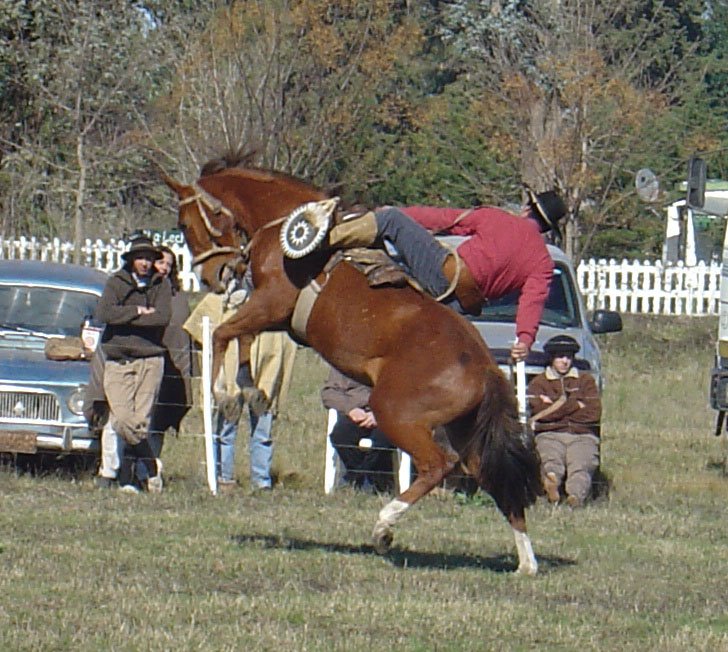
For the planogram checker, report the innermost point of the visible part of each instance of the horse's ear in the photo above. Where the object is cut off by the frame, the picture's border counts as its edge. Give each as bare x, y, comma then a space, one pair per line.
175, 185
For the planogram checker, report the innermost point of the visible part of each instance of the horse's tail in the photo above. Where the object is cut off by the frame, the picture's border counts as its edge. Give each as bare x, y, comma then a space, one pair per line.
509, 462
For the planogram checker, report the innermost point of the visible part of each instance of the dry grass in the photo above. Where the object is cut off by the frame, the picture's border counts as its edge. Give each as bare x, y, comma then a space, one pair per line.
293, 569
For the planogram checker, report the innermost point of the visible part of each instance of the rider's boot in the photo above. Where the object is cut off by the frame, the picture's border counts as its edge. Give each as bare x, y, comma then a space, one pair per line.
357, 232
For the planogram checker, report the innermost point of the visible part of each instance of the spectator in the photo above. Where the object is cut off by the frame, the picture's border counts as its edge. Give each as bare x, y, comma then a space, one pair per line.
271, 361
175, 396
136, 308
175, 392
96, 412
566, 410
504, 253
366, 468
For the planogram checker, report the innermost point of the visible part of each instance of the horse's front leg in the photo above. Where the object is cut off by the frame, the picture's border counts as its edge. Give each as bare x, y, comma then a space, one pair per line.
261, 312
527, 564
251, 395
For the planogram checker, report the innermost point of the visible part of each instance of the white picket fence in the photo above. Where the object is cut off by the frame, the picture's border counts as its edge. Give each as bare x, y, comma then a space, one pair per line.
627, 286
650, 288
102, 255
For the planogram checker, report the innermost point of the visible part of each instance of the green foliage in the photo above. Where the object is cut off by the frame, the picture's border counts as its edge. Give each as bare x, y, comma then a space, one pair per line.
444, 161
452, 103
582, 95
85, 70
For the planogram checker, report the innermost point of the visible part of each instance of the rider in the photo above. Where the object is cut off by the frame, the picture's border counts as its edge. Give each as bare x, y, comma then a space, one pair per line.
504, 253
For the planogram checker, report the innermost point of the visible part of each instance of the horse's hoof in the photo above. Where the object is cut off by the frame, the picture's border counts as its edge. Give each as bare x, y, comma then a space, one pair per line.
382, 538
256, 400
527, 569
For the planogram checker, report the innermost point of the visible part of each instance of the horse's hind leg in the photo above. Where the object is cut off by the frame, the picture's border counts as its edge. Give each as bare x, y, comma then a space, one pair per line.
527, 564
433, 464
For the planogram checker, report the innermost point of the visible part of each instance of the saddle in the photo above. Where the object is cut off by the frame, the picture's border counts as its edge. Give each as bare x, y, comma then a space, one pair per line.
379, 269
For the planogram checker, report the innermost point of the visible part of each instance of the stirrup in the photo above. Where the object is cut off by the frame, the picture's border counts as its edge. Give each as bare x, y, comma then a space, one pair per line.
306, 227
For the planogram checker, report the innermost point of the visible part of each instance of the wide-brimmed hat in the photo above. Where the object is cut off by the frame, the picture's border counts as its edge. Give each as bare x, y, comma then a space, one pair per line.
141, 245
548, 208
561, 345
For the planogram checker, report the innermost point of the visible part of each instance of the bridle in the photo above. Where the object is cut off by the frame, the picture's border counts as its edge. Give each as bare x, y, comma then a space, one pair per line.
206, 202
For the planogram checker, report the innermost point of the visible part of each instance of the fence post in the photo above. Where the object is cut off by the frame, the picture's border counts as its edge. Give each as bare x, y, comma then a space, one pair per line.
207, 404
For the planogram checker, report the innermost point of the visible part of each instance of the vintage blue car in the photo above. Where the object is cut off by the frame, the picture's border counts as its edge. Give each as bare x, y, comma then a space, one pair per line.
41, 399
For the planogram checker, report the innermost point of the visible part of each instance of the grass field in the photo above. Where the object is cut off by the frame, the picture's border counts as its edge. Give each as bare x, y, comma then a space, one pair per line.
644, 569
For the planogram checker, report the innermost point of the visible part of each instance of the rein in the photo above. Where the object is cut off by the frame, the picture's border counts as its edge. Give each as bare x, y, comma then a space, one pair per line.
214, 251
246, 248
458, 261
455, 278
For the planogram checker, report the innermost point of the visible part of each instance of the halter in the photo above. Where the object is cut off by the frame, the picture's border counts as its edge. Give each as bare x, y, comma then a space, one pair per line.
204, 202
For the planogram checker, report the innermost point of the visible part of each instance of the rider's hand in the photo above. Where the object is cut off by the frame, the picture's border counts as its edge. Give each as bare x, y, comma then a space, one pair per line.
519, 351
363, 418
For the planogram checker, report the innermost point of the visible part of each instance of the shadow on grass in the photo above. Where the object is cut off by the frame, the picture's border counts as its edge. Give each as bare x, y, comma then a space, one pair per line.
402, 558
72, 466
718, 466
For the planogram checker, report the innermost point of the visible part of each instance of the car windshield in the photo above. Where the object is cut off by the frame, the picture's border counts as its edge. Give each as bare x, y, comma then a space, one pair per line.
560, 311
48, 310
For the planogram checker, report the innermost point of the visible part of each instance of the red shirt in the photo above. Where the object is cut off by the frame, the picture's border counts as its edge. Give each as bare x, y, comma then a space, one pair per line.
504, 253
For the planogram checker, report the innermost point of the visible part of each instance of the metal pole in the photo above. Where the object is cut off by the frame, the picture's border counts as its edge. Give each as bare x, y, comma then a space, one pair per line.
521, 391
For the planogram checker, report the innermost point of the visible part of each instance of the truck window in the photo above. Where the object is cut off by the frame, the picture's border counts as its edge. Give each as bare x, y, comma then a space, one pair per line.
560, 310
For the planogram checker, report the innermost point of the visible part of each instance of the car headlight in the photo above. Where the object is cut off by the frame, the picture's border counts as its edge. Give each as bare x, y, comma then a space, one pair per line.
75, 400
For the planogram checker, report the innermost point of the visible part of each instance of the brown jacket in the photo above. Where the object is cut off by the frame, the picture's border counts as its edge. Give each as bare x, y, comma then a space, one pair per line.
565, 414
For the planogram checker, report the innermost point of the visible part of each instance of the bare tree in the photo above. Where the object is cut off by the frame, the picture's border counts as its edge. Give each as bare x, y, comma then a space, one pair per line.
292, 81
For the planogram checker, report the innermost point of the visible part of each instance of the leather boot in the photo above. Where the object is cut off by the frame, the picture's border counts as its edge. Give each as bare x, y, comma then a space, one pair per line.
551, 485
357, 232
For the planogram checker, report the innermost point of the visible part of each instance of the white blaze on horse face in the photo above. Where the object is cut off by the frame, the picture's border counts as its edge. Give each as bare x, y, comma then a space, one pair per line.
527, 564
393, 511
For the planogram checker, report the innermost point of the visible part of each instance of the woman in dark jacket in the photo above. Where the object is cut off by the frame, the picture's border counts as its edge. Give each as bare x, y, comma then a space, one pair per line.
175, 393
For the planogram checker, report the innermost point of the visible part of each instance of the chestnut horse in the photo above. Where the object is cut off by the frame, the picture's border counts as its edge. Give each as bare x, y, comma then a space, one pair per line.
436, 391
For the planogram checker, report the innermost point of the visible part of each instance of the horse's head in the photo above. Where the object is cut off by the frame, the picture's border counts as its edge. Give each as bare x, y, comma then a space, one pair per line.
210, 231
227, 207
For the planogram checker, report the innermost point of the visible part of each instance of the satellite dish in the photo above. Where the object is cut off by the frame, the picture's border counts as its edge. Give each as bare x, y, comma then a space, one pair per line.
647, 185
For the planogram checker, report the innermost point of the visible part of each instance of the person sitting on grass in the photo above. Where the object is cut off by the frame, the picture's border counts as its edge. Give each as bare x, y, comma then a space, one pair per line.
566, 410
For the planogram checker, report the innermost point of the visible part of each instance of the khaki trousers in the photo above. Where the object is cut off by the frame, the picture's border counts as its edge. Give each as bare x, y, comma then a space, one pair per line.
131, 389
571, 456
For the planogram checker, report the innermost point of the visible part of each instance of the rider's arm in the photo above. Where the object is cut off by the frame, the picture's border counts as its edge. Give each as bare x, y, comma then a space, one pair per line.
533, 297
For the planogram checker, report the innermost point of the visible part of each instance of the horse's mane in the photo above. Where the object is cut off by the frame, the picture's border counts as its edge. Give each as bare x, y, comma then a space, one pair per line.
240, 163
